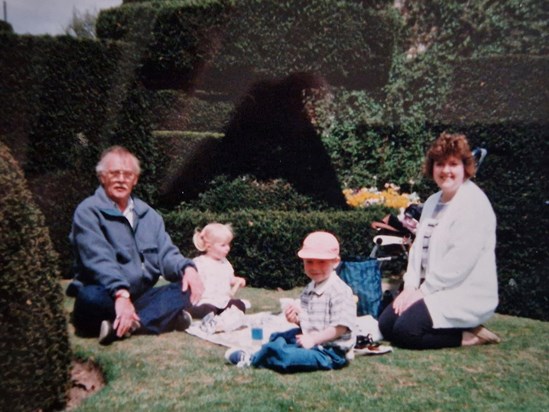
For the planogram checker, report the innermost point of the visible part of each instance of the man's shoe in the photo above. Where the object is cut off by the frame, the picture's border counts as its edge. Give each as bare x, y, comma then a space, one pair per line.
183, 321
73, 288
238, 357
137, 329
107, 334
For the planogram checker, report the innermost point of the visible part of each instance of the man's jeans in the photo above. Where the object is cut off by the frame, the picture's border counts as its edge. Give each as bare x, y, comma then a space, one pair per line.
283, 354
157, 308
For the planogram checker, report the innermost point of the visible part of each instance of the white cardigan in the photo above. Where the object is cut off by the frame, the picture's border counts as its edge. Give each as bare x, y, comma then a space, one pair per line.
460, 288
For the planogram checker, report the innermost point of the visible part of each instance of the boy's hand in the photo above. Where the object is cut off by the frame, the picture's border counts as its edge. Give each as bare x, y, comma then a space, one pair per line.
292, 313
306, 341
329, 334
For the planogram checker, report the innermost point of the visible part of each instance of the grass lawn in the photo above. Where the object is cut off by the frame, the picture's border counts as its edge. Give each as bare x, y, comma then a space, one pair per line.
179, 372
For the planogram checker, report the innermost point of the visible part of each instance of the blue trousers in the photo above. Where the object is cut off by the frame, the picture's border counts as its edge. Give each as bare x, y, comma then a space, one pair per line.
283, 354
157, 308
413, 329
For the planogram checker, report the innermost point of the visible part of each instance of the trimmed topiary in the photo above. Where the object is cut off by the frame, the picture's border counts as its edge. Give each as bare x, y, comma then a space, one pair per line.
5, 27
35, 354
249, 193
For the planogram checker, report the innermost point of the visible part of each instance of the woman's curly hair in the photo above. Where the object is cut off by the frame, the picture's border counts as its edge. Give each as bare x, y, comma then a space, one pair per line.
450, 145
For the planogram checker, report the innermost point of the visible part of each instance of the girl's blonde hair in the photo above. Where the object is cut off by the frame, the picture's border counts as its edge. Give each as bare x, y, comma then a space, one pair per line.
210, 233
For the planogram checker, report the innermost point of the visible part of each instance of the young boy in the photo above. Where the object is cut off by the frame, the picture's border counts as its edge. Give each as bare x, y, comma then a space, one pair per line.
326, 316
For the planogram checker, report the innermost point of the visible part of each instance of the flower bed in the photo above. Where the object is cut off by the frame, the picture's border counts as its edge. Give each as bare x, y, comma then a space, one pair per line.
390, 196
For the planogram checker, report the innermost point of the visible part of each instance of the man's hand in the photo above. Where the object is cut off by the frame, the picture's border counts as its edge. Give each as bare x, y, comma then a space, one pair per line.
192, 281
405, 299
126, 318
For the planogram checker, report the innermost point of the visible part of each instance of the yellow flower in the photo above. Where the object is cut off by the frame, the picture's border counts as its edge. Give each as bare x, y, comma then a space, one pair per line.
391, 197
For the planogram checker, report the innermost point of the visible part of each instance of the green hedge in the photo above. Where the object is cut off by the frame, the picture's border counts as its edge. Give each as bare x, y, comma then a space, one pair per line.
187, 159
479, 28
66, 100
349, 42
35, 355
266, 242
175, 110
510, 89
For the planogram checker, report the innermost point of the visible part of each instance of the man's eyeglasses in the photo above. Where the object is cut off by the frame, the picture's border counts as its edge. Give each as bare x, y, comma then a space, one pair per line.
125, 174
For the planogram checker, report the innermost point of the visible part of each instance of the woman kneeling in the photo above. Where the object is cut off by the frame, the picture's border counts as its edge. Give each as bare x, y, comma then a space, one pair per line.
450, 285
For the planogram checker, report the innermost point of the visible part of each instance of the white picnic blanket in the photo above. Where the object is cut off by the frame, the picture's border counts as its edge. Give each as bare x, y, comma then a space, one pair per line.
239, 333
241, 336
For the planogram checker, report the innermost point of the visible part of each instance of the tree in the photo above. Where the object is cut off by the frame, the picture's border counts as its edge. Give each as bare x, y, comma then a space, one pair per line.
82, 24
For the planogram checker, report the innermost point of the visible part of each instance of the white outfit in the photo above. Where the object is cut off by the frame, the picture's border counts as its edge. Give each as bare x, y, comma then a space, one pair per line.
217, 276
460, 287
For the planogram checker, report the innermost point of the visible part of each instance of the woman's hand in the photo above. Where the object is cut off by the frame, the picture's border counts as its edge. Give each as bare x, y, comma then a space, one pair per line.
405, 299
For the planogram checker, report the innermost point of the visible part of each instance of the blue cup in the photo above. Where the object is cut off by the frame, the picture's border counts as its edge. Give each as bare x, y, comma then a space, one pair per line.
257, 333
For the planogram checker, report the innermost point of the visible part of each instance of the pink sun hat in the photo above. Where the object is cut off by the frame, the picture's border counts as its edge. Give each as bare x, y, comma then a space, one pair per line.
319, 245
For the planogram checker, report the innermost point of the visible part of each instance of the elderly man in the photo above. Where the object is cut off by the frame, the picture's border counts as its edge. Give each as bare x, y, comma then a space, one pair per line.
121, 248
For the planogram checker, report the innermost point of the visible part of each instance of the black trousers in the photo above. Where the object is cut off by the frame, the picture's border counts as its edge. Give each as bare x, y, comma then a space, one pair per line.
413, 329
158, 308
198, 312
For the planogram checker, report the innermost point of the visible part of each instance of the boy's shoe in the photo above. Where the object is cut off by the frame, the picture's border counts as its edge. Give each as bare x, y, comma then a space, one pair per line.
183, 321
374, 349
363, 341
238, 357
365, 345
107, 334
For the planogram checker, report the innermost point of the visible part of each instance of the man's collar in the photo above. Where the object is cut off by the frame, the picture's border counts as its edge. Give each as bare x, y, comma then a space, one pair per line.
129, 207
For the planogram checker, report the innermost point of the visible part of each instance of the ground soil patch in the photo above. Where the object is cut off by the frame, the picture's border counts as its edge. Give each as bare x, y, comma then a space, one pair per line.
86, 379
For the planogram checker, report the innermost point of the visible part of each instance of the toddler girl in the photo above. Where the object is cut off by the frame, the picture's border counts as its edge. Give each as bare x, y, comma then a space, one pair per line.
216, 272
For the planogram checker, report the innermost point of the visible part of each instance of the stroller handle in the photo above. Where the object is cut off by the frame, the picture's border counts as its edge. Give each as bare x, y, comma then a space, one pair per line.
479, 153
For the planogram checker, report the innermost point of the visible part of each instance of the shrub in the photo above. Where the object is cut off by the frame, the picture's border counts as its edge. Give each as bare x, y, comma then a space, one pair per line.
266, 242
246, 192
34, 348
365, 149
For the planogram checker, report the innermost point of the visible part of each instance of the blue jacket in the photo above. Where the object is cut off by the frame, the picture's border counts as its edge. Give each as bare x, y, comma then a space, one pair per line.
109, 252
